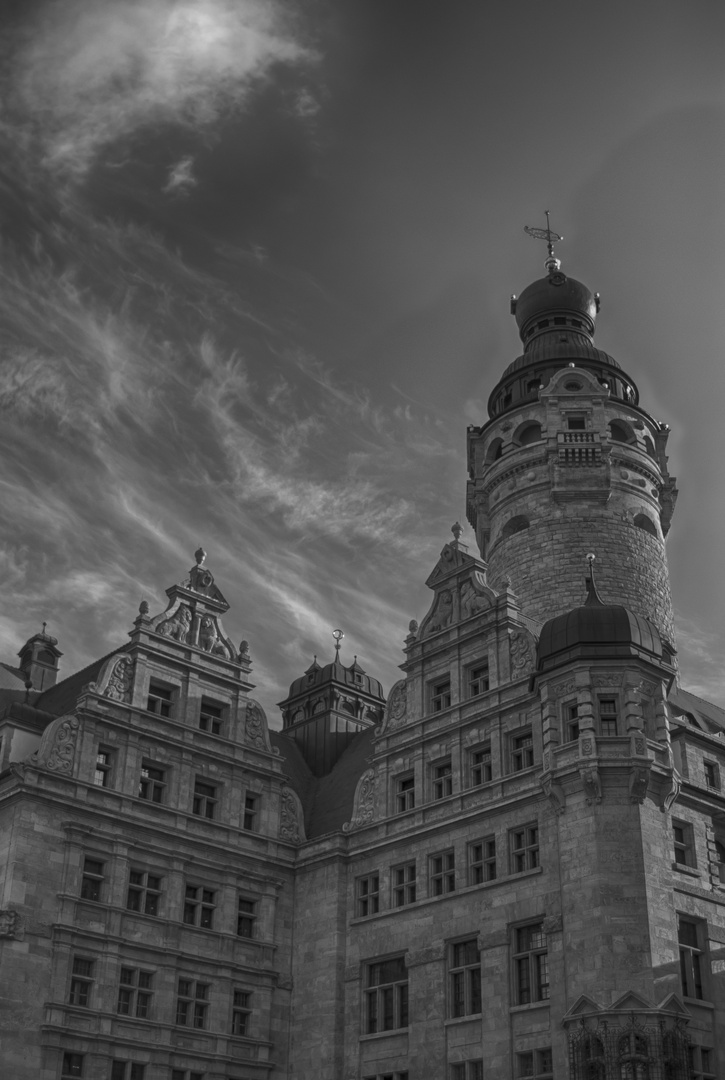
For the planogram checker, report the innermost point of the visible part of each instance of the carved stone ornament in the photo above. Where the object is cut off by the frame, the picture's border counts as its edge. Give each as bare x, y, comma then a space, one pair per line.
607, 680
120, 680
396, 707
638, 782
364, 805
255, 726
592, 783
562, 689
522, 653
176, 627
552, 924
291, 822
670, 794
587, 746
442, 614
555, 794
57, 746
210, 640
471, 601
10, 923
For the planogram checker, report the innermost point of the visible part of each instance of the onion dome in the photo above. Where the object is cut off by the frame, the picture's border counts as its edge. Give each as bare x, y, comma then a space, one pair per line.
597, 629
353, 676
552, 296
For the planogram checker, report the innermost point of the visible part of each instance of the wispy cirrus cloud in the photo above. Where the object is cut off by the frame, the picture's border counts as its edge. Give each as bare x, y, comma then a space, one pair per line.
87, 73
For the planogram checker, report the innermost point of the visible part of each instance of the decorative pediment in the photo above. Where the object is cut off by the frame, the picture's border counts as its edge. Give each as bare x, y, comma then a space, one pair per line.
632, 1002
57, 748
460, 588
200, 580
583, 1006
256, 728
115, 679
396, 707
364, 805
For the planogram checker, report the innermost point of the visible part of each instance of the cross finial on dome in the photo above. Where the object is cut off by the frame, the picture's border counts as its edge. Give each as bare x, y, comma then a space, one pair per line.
551, 237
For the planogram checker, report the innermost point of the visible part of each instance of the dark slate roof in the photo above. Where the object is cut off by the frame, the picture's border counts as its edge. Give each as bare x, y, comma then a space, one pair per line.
353, 676
708, 716
61, 698
327, 800
11, 678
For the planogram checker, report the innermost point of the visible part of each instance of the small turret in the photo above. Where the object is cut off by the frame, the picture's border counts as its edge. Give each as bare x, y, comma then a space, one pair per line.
39, 658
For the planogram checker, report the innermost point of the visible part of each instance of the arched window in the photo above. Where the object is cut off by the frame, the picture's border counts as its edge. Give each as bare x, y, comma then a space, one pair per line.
620, 432
649, 446
494, 451
592, 1058
514, 525
646, 523
529, 432
633, 1057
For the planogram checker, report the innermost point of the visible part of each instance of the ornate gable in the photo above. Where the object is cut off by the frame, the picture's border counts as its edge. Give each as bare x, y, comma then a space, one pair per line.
459, 583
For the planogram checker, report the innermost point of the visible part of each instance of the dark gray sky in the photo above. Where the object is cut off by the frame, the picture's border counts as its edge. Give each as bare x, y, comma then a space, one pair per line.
256, 261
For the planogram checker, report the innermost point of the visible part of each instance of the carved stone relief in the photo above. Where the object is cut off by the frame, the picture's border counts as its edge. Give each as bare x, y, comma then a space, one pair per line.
607, 680
471, 602
177, 626
592, 783
58, 745
442, 614
120, 682
209, 639
10, 923
364, 805
255, 726
638, 781
522, 653
396, 707
291, 826
562, 689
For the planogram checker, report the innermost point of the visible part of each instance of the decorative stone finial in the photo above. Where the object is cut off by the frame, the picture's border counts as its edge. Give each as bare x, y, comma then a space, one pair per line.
200, 556
456, 530
413, 626
143, 607
338, 636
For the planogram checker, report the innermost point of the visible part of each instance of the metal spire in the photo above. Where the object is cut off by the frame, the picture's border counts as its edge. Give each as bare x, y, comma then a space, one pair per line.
551, 237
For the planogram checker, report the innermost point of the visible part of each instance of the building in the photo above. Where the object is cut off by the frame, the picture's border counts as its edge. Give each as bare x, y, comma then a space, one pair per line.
513, 867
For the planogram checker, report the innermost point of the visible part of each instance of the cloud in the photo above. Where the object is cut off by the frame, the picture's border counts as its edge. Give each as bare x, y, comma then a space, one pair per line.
90, 72
181, 178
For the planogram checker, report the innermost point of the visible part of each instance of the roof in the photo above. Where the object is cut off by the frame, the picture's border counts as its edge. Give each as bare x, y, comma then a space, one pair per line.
550, 347
353, 676
328, 800
707, 715
11, 678
62, 697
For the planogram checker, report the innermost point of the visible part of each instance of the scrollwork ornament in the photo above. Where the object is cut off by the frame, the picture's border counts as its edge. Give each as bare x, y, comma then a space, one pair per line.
522, 656
255, 725
289, 826
364, 807
10, 923
120, 683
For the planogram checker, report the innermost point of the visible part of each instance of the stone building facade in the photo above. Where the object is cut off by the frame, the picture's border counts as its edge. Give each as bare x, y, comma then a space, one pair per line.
512, 868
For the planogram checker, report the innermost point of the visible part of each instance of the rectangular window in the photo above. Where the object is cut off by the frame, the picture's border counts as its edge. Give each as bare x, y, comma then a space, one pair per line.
135, 993
211, 717
159, 700
72, 1066
712, 775
205, 799
440, 695
185, 1074
478, 682
536, 1064
404, 793
81, 982
367, 895
192, 1002
531, 965
251, 811
386, 996
199, 906
683, 843
689, 935
467, 1070
403, 881
246, 917
524, 848
465, 978
575, 423
442, 780
482, 861
92, 881
442, 873
571, 723
152, 783
522, 751
241, 1012
481, 771
702, 1063
608, 717
144, 890
102, 773
127, 1070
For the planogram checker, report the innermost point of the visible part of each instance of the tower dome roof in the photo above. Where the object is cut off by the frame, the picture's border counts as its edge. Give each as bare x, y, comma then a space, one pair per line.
556, 294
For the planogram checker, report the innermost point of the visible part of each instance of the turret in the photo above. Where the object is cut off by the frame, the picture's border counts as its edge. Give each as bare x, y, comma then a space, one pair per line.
39, 658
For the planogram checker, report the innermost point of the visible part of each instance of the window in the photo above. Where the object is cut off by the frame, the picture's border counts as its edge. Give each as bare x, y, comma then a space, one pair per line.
465, 972
440, 695
72, 1066
183, 1074
684, 844
536, 1064
524, 848
251, 810
531, 966
404, 793
199, 906
210, 717
403, 879
368, 895
152, 783
571, 723
481, 771
386, 996
192, 1002
135, 992
575, 423
633, 1056
389, 1076
241, 1012
712, 775
478, 679
720, 860
522, 751
92, 882
689, 937
127, 1070
467, 1070
246, 917
482, 861
702, 1062
442, 873
591, 1058
81, 982
608, 716
205, 799
102, 774
442, 780
159, 700
144, 890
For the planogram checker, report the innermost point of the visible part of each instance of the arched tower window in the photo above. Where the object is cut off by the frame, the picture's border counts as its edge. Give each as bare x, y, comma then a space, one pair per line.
494, 451
646, 523
529, 432
514, 525
620, 432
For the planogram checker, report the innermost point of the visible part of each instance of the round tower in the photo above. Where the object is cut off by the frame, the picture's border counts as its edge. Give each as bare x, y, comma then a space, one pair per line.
569, 463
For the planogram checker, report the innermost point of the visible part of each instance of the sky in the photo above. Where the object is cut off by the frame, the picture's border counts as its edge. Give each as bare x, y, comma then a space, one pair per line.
255, 267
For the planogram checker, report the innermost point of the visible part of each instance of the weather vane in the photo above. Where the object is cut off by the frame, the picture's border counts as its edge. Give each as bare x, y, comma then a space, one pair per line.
338, 636
551, 237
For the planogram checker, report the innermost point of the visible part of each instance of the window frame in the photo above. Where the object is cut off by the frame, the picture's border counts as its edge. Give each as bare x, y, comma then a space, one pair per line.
103, 770
403, 883
247, 917
71, 1065
683, 844
476, 675
693, 957
440, 694
384, 1000
127, 1070
204, 804
472, 1069
442, 872
529, 957
200, 904
524, 855
92, 881
367, 895
541, 1064
82, 978
607, 717
187, 995
442, 779
521, 746
570, 721
163, 695
712, 774
482, 869
135, 992
212, 716
250, 816
464, 978
404, 792
480, 764
241, 1012
149, 787
148, 890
